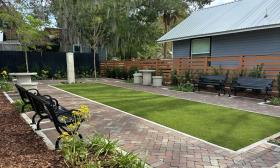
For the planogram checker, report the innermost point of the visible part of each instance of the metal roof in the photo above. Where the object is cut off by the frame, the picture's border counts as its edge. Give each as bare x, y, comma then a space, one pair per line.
234, 17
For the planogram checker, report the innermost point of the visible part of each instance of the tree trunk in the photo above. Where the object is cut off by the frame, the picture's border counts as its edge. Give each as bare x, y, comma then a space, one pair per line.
94, 64
26, 61
164, 50
165, 43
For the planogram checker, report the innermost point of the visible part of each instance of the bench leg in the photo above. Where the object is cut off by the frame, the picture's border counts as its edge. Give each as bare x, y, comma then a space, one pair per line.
235, 92
33, 118
38, 124
229, 92
195, 87
220, 89
267, 96
57, 143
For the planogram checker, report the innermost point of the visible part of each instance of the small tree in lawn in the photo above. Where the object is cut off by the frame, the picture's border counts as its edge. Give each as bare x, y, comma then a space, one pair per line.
30, 35
93, 25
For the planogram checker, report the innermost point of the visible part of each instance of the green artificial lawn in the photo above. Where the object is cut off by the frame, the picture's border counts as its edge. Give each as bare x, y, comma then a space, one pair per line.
230, 128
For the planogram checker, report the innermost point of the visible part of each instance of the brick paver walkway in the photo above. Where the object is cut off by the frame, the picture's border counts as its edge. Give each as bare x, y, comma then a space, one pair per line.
160, 146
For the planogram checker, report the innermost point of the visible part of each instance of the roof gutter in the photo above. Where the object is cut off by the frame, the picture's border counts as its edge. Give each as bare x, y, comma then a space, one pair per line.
220, 33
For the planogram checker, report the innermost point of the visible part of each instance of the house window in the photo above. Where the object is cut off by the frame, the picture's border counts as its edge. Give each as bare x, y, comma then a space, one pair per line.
76, 48
201, 47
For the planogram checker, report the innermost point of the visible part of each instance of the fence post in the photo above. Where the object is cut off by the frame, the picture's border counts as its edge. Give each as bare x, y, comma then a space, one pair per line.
205, 64
242, 57
156, 66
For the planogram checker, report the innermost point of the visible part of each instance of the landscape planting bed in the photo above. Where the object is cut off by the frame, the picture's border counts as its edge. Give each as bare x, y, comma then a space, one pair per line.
19, 145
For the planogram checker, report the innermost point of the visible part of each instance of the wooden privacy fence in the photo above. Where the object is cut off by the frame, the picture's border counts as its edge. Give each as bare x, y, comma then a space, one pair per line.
234, 65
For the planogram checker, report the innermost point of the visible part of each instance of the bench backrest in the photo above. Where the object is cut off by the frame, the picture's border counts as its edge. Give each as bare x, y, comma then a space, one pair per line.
23, 93
213, 79
254, 82
36, 104
47, 106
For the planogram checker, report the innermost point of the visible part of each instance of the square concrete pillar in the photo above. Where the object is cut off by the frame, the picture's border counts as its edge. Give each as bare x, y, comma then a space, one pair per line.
70, 67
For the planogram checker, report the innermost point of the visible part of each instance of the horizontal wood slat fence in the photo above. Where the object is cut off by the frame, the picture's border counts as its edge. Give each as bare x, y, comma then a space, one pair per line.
203, 65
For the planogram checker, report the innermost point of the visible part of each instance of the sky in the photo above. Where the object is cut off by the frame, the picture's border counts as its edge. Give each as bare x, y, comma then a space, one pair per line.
218, 2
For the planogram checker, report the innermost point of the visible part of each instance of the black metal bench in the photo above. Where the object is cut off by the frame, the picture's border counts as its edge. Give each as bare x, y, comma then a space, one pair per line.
255, 84
26, 100
61, 117
23, 95
218, 81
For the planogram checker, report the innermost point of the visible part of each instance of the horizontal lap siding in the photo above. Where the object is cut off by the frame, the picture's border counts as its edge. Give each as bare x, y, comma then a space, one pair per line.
181, 49
261, 42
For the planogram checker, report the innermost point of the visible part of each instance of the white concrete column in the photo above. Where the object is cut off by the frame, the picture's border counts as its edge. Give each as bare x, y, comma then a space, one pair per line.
70, 67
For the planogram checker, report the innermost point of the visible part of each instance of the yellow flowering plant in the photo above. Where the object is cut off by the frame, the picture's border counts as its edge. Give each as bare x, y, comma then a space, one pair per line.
4, 75
4, 84
73, 148
80, 114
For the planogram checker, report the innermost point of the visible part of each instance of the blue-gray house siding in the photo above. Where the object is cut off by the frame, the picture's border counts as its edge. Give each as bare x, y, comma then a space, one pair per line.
261, 42
181, 49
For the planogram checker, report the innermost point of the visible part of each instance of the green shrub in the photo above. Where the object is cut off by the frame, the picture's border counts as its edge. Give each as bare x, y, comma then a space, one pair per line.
108, 72
275, 101
174, 78
188, 76
19, 103
243, 73
131, 71
6, 86
128, 160
185, 87
275, 141
84, 72
45, 74
97, 151
120, 73
257, 72
218, 71
59, 74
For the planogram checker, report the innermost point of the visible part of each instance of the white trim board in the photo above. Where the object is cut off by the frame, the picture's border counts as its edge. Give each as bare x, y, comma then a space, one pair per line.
224, 148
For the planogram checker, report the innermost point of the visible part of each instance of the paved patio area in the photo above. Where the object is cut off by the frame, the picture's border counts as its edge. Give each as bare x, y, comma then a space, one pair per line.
163, 147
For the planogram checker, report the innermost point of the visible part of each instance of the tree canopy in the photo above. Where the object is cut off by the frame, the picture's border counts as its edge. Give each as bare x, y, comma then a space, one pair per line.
125, 28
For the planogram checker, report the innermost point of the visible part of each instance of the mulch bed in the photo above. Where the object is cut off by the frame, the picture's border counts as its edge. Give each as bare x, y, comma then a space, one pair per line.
19, 145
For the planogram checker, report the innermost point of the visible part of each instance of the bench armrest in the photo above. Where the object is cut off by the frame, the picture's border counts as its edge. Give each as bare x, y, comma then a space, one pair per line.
34, 91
